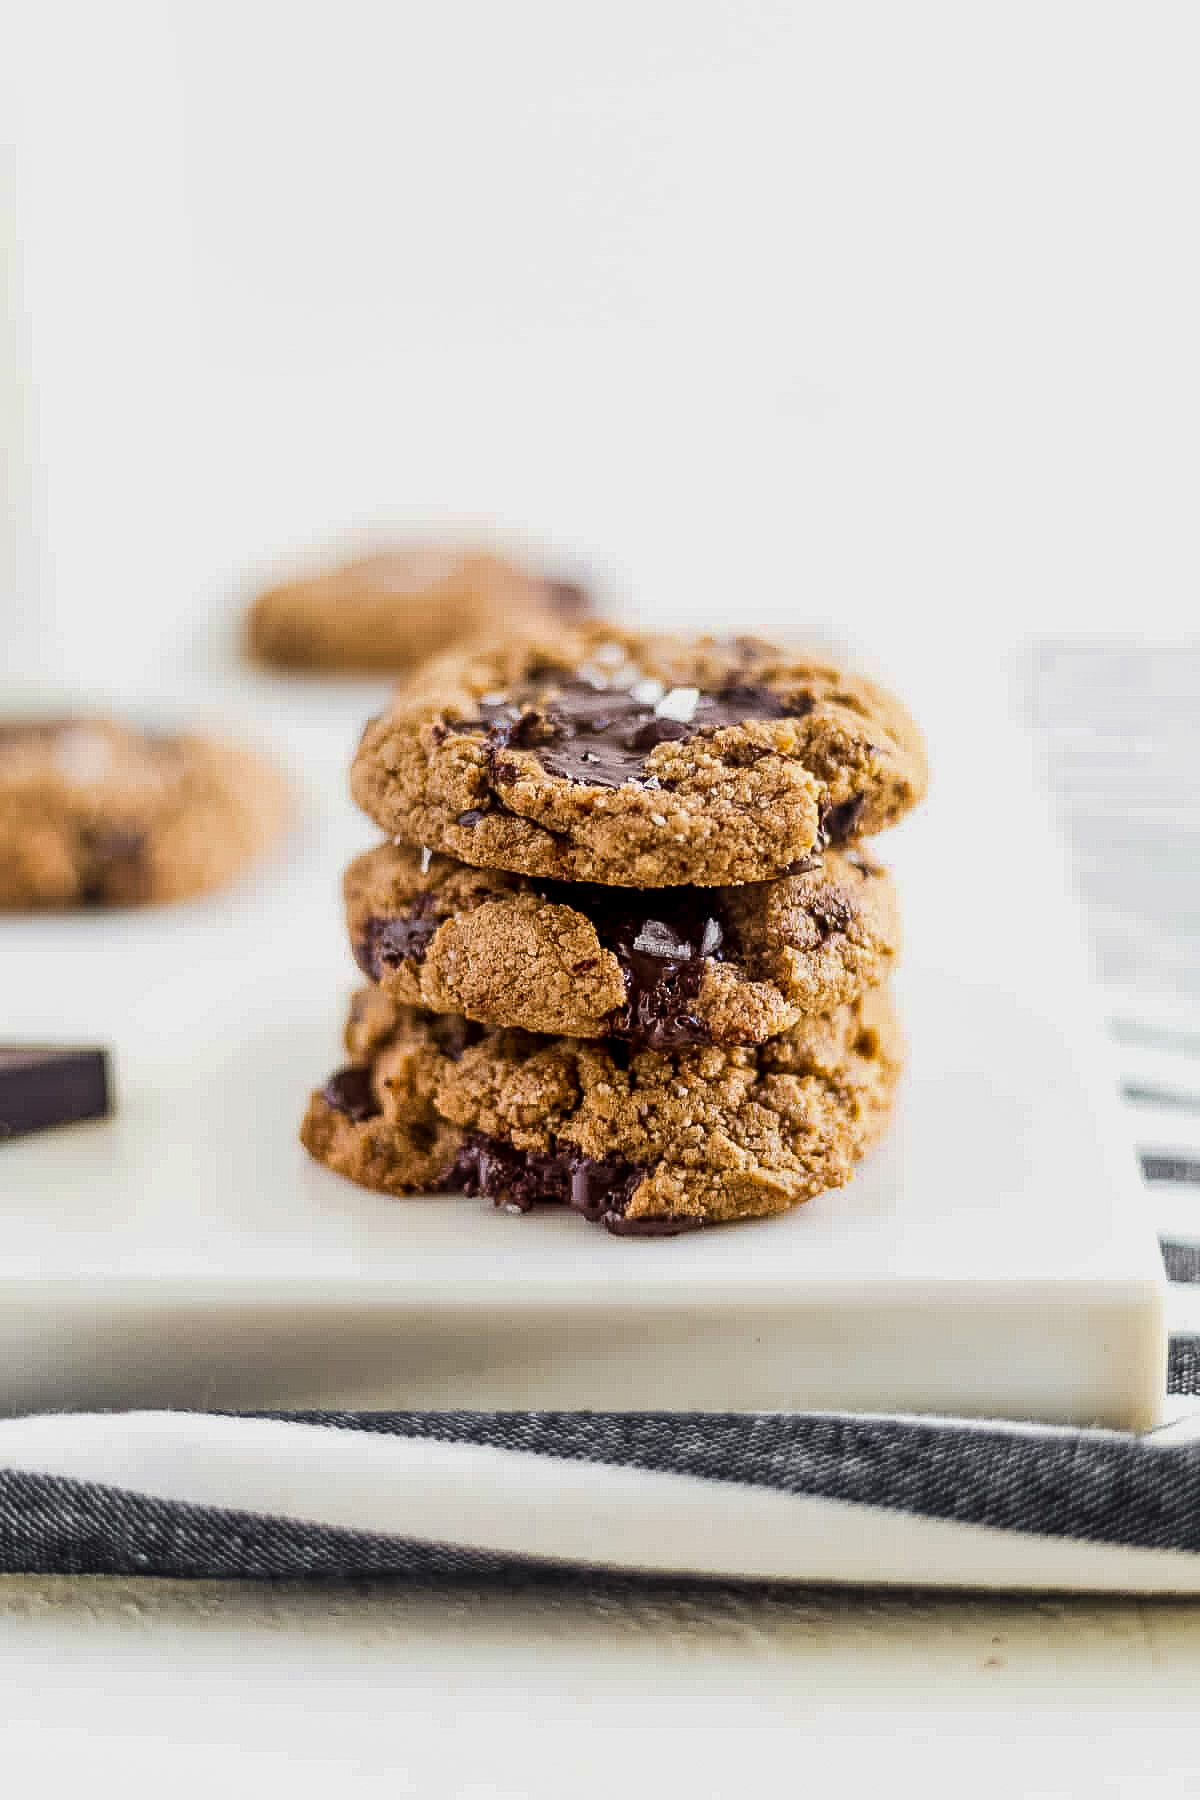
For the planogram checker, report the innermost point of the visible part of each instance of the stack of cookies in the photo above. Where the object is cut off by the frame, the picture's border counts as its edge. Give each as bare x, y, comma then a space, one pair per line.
625, 950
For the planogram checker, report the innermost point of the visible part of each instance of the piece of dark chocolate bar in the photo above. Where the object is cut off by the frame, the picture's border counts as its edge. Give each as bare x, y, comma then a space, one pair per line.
41, 1087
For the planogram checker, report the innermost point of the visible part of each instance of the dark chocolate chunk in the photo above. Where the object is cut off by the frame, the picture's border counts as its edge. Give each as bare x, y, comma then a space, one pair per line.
660, 1011
740, 701
349, 1091
601, 737
602, 1190
523, 1179
386, 943
453, 1034
838, 822
657, 731
650, 1225
41, 1088
662, 938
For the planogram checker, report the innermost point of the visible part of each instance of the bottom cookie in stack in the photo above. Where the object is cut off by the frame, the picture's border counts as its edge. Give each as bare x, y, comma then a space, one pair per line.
644, 1142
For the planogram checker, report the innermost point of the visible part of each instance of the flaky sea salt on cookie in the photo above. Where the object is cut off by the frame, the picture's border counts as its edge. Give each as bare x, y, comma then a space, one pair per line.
615, 757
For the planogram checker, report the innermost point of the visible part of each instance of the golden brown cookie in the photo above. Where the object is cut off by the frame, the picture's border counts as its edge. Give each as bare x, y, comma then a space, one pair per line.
661, 966
597, 754
641, 1141
97, 813
389, 611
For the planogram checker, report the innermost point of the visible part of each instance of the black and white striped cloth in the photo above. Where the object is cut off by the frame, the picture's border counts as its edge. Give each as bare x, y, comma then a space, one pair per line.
816, 1497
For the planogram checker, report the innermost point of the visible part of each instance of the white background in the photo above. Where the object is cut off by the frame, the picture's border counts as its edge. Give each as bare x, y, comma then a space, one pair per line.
885, 312
890, 309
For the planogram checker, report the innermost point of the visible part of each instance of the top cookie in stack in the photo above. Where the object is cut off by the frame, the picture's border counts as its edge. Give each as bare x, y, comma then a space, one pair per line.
637, 761
624, 949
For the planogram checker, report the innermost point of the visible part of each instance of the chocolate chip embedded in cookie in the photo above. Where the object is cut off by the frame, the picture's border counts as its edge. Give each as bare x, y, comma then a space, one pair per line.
388, 611
97, 813
641, 1141
660, 966
610, 756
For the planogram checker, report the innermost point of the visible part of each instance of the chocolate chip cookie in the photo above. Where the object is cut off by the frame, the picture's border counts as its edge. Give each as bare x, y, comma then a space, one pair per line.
660, 966
388, 611
610, 756
640, 1141
97, 813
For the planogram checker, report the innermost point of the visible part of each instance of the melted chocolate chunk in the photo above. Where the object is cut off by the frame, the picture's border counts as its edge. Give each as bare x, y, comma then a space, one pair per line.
602, 737
662, 938
523, 1179
658, 731
652, 1225
386, 943
660, 1010
747, 700
453, 1034
839, 822
350, 1092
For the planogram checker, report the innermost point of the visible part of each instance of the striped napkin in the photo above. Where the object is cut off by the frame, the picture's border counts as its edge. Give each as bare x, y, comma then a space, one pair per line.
816, 1497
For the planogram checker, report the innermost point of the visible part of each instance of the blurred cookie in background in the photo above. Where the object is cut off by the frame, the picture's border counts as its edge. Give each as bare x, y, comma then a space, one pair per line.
388, 611
95, 812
